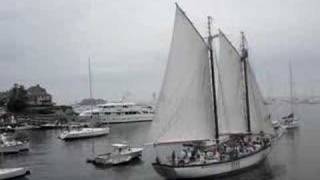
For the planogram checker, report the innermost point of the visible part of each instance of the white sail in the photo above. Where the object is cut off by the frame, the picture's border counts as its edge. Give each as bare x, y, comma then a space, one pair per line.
230, 88
260, 117
184, 110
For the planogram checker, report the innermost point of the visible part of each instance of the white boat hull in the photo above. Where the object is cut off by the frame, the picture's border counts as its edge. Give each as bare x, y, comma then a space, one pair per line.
21, 128
84, 133
291, 123
9, 173
119, 158
7, 149
214, 169
125, 119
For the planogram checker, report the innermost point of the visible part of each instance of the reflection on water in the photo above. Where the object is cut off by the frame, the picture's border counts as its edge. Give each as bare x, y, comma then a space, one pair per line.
296, 156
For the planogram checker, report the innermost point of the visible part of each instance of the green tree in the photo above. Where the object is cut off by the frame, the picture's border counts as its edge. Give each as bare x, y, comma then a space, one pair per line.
3, 98
17, 100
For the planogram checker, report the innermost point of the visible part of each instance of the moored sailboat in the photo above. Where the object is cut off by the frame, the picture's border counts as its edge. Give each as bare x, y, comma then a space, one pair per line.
291, 121
81, 133
213, 113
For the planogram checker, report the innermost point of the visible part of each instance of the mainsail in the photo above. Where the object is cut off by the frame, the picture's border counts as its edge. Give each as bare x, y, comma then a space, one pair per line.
260, 118
230, 91
184, 110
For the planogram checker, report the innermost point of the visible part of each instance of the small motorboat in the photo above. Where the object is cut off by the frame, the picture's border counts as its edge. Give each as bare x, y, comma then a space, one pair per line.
84, 133
122, 153
8, 145
9, 173
291, 121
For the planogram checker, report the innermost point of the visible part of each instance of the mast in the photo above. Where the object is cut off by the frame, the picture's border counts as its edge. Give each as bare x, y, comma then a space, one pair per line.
291, 87
244, 59
90, 85
91, 104
214, 99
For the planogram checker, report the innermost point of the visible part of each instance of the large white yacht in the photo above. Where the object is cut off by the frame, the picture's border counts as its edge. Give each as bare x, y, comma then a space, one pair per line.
120, 112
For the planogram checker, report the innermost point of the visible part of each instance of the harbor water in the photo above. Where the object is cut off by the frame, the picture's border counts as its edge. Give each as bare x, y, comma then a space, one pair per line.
295, 156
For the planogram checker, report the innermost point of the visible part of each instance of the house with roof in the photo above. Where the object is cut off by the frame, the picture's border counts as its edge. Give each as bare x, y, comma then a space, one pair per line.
38, 96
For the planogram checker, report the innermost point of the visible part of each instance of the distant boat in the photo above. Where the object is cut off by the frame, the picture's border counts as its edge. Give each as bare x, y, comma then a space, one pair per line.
291, 120
201, 103
10, 173
122, 153
8, 145
25, 127
276, 124
120, 112
51, 126
83, 133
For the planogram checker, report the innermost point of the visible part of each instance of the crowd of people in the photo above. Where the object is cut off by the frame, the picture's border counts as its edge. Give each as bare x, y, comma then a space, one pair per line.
235, 147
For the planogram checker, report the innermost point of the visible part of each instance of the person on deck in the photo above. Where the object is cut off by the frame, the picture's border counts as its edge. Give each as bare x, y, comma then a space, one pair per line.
173, 156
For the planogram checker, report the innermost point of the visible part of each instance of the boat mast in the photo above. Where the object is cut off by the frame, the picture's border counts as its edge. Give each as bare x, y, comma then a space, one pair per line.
291, 87
244, 59
91, 104
90, 86
214, 99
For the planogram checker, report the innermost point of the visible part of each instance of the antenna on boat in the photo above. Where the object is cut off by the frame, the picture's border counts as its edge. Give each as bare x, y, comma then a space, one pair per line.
244, 59
214, 97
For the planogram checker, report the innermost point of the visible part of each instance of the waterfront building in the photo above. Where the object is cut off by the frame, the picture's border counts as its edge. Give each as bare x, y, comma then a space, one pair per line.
38, 96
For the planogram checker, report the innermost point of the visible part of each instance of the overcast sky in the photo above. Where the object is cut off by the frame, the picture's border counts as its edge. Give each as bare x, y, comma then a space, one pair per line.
48, 42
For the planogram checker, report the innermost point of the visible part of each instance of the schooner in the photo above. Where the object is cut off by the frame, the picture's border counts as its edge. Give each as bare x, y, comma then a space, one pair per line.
211, 105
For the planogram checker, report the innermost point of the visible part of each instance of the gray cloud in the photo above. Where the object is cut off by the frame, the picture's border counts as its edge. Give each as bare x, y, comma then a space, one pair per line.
49, 42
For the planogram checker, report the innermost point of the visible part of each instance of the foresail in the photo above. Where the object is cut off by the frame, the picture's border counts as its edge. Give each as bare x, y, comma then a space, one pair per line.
230, 88
260, 117
184, 109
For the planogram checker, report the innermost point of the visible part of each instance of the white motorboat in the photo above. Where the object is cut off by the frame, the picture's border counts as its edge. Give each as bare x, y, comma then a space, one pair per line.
122, 153
84, 133
8, 145
208, 97
120, 112
291, 121
276, 124
9, 173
